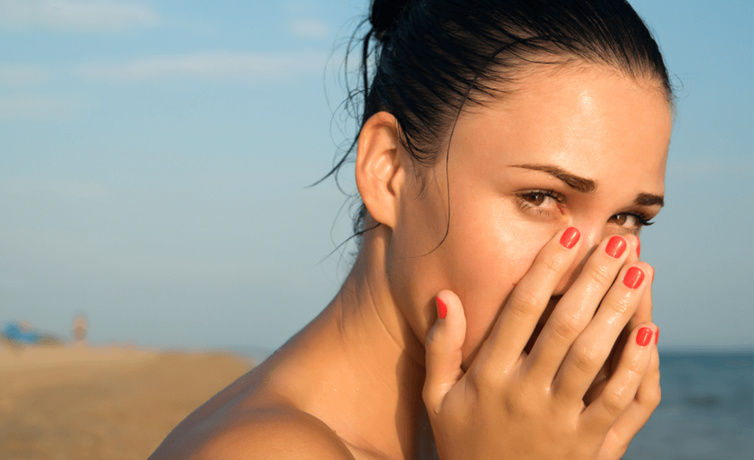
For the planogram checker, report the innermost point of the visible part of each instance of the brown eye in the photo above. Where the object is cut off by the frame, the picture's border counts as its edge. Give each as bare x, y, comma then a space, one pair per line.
619, 219
535, 198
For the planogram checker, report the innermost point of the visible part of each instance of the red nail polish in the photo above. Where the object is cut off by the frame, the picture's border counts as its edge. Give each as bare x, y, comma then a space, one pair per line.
644, 336
615, 246
657, 336
634, 277
442, 309
638, 247
570, 237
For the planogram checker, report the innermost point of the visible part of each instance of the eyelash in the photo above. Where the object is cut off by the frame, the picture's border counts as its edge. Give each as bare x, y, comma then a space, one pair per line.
527, 204
642, 219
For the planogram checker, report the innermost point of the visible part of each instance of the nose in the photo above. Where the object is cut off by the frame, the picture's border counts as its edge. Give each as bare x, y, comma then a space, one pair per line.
592, 235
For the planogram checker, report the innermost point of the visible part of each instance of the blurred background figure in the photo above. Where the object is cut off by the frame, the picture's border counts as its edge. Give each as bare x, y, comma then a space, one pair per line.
79, 328
20, 333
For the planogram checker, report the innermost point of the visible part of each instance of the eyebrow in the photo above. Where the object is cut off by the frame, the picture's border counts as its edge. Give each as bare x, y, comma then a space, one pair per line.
585, 185
580, 184
647, 199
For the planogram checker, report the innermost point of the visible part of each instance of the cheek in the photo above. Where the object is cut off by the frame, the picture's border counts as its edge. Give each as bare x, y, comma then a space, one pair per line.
486, 266
487, 250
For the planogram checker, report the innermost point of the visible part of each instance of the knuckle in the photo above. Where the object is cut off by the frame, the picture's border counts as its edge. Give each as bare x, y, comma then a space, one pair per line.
525, 304
429, 396
622, 306
634, 368
565, 327
600, 274
619, 448
486, 377
654, 398
431, 342
551, 264
615, 402
518, 403
586, 360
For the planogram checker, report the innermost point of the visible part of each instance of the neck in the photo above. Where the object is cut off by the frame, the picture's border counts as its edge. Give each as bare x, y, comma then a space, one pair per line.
369, 366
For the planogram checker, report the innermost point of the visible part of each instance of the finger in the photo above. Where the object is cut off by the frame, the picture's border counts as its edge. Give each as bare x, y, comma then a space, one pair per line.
592, 348
623, 386
634, 248
443, 350
529, 298
638, 412
643, 313
576, 308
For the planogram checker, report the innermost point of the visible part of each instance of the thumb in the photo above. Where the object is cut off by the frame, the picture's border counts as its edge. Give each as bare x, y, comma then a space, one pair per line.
443, 349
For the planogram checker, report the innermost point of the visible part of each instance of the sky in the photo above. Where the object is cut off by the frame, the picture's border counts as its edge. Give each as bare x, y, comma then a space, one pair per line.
156, 157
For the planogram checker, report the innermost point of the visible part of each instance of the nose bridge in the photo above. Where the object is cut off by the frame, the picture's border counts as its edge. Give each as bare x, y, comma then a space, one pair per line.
592, 233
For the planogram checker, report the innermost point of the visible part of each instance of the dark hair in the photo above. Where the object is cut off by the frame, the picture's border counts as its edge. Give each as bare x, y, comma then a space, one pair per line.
423, 60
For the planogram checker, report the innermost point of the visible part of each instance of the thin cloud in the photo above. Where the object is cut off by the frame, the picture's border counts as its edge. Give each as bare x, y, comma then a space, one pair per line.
309, 28
22, 75
241, 67
75, 15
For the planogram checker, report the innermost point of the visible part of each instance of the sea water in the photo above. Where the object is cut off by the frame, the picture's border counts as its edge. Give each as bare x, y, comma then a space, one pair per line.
707, 409
706, 413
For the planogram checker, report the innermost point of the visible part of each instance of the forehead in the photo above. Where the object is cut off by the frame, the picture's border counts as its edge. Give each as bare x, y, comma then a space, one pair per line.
592, 121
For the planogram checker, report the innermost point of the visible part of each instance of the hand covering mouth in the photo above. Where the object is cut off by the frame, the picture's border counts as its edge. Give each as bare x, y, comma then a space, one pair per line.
542, 320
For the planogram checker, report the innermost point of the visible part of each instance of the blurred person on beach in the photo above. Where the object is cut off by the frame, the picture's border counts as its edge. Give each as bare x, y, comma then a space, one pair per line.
79, 328
509, 153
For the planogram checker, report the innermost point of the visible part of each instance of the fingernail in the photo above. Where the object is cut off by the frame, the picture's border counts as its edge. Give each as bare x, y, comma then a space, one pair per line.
570, 237
615, 246
657, 336
638, 247
634, 277
442, 309
644, 336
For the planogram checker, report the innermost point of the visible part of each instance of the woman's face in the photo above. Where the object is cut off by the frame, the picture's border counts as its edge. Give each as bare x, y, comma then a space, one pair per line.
581, 147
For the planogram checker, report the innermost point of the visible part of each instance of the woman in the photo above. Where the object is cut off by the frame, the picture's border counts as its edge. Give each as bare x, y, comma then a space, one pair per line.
508, 156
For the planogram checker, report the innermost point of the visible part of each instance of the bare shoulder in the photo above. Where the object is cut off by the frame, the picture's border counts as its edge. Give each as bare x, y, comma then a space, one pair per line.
275, 433
283, 433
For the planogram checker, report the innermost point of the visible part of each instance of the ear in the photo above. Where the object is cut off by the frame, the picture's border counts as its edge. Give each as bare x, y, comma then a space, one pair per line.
381, 167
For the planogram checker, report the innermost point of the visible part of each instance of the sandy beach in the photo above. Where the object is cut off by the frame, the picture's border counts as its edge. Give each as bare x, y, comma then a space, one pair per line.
65, 402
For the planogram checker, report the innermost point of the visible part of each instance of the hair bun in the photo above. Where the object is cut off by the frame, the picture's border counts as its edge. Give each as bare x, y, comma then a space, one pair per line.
385, 14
